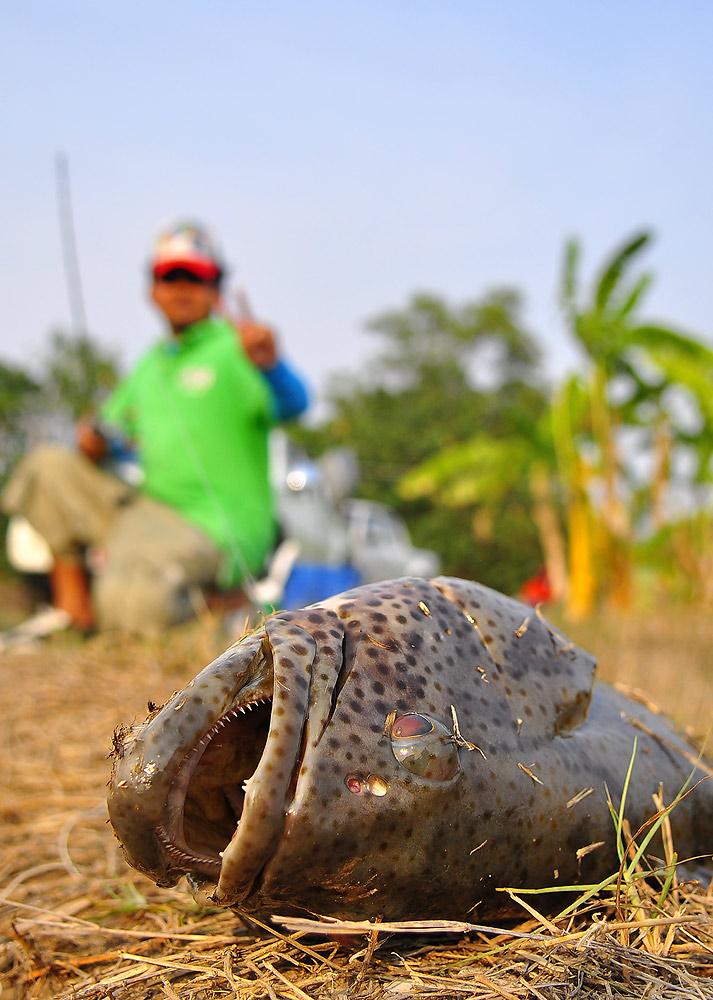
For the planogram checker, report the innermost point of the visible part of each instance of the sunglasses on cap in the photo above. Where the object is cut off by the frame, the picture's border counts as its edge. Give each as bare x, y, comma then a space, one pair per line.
182, 274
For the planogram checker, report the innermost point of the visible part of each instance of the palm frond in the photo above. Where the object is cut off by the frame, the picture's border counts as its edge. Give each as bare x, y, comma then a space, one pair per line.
616, 267
634, 297
568, 289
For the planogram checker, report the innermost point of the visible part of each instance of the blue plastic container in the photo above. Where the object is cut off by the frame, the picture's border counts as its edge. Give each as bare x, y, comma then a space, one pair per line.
312, 582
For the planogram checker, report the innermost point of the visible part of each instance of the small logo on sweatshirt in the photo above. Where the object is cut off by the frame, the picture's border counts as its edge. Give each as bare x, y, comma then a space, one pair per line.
197, 380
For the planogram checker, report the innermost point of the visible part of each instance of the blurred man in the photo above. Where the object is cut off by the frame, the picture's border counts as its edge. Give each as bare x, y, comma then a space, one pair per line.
197, 407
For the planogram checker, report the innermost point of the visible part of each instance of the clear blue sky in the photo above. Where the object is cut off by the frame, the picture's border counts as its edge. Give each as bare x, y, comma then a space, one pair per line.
351, 153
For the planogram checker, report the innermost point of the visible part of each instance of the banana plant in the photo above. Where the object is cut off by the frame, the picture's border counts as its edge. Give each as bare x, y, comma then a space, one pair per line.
637, 375
580, 462
484, 472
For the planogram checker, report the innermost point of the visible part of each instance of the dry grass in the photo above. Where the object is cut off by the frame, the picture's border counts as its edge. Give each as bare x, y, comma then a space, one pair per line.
668, 655
77, 922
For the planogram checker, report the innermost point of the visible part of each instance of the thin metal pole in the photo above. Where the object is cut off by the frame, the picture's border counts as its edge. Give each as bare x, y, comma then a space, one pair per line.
69, 247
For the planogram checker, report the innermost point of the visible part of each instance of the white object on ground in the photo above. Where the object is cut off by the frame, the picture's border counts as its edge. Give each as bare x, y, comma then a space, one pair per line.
27, 550
43, 623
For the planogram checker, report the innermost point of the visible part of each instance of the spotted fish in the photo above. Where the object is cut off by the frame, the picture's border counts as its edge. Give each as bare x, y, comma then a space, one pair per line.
404, 749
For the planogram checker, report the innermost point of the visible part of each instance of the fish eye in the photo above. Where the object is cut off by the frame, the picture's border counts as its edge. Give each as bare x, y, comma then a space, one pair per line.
425, 747
411, 725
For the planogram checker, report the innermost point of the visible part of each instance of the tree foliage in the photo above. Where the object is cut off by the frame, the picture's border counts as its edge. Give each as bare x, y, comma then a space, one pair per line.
72, 378
77, 373
444, 373
643, 403
18, 396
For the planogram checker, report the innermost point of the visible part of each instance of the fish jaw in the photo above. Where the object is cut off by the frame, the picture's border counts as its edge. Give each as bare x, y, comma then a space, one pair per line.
197, 789
267, 792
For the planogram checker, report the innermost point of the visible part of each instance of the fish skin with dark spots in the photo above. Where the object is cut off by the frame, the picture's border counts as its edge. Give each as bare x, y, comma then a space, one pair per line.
401, 750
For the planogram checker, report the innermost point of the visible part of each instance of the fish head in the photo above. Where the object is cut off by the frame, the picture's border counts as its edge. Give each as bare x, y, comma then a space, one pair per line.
327, 761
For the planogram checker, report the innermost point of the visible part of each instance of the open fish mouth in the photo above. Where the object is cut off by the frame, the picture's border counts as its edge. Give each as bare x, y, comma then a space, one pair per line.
203, 787
206, 801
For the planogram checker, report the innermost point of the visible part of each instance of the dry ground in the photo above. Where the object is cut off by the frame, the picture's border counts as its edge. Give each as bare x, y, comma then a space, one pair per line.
75, 921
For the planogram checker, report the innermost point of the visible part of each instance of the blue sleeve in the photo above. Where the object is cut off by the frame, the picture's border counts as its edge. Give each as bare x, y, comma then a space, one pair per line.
288, 391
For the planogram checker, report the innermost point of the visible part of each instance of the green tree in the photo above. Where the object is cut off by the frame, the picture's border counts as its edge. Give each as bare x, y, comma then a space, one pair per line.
73, 376
19, 395
622, 413
77, 374
442, 372
508, 482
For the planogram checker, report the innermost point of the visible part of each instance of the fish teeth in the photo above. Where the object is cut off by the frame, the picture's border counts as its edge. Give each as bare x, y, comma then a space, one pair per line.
223, 721
178, 853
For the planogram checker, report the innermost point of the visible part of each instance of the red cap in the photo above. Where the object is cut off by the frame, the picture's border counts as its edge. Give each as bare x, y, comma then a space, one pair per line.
187, 245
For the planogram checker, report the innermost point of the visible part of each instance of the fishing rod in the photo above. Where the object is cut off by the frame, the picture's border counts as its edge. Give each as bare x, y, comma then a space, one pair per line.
69, 247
